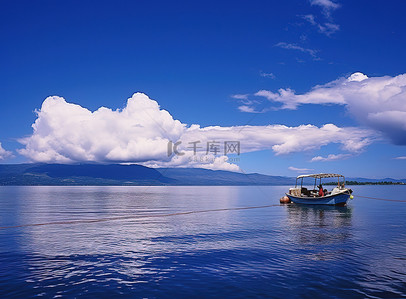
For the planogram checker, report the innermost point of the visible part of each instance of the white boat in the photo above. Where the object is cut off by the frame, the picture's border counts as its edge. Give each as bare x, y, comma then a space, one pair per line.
338, 196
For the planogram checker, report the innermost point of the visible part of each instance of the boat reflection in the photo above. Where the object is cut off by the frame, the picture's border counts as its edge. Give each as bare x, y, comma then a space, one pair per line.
333, 216
321, 231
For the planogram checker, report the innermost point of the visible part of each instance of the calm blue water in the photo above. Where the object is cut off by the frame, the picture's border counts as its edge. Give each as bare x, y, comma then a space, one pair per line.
284, 251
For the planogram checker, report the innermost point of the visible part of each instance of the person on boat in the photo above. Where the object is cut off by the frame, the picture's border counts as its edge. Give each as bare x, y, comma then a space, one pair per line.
321, 191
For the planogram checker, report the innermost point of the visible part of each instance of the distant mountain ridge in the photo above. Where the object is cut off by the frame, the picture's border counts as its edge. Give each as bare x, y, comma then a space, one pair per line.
133, 175
80, 174
200, 176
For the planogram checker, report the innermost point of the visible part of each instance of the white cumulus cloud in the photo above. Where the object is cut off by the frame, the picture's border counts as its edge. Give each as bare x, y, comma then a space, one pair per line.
140, 132
283, 139
65, 132
378, 102
4, 154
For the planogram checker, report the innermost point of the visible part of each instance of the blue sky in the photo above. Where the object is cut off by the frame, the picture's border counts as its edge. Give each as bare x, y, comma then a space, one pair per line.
193, 58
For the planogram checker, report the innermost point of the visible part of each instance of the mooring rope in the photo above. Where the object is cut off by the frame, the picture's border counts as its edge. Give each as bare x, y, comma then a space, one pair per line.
84, 221
384, 199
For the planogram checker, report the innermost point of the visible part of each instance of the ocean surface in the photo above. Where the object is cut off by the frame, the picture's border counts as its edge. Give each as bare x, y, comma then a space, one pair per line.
182, 242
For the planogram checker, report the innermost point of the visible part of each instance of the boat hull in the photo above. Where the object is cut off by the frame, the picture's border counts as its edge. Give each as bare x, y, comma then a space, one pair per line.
339, 199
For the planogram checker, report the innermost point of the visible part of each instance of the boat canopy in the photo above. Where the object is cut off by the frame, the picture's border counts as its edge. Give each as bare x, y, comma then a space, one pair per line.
320, 176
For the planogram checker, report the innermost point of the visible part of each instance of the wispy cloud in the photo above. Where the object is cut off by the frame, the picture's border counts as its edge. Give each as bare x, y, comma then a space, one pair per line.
325, 24
327, 6
267, 75
296, 47
246, 104
400, 158
331, 157
310, 19
248, 109
300, 170
240, 96
327, 28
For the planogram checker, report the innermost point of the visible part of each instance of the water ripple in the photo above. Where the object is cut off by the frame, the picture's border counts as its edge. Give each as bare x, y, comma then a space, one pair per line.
279, 252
